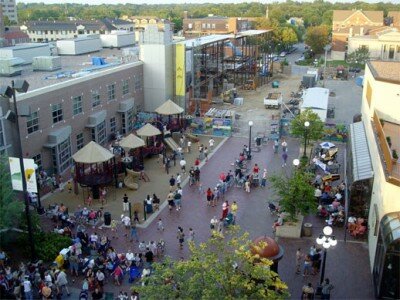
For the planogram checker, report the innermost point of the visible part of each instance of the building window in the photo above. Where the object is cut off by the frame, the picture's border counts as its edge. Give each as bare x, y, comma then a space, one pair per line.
57, 113
38, 160
190, 25
99, 133
79, 141
113, 125
62, 156
125, 87
95, 99
32, 122
213, 26
138, 82
111, 92
77, 105
203, 25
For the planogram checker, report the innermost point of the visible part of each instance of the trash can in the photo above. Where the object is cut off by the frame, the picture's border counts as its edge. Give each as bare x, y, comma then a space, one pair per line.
307, 229
107, 218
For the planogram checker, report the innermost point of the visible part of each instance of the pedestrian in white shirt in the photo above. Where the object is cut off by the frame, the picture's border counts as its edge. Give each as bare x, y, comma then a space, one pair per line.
211, 143
182, 163
62, 282
189, 146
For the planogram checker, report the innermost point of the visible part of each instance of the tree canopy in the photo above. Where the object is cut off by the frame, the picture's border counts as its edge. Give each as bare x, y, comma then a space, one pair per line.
360, 56
314, 131
317, 37
221, 268
296, 194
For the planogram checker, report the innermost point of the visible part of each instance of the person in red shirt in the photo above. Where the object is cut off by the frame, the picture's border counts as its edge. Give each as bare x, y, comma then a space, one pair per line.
197, 162
209, 195
256, 169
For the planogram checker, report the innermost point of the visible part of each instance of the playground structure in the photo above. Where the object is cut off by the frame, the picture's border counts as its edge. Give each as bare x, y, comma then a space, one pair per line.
95, 167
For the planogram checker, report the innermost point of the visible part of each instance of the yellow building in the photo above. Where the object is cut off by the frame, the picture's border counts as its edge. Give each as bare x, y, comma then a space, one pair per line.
381, 120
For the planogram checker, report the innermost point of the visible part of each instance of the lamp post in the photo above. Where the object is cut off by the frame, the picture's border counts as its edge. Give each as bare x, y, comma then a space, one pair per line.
249, 154
10, 92
326, 239
306, 125
40, 209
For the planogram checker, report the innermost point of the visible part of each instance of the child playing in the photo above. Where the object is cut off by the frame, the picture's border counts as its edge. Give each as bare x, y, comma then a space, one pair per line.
113, 228
160, 225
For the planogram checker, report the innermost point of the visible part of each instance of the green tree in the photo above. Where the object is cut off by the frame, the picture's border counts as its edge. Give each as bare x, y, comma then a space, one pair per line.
296, 194
317, 37
10, 207
288, 37
221, 268
360, 56
314, 131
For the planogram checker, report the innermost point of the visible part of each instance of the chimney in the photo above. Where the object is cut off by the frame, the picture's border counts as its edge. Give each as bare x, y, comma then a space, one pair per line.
185, 14
362, 31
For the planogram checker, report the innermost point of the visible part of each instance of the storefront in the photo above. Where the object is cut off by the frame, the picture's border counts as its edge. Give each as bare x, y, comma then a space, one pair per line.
386, 272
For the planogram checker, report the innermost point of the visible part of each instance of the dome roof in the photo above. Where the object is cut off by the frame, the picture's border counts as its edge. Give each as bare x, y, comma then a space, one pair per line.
270, 250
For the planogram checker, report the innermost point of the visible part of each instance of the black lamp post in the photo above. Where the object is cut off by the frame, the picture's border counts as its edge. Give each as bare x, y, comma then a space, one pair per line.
40, 209
306, 125
249, 154
10, 92
327, 240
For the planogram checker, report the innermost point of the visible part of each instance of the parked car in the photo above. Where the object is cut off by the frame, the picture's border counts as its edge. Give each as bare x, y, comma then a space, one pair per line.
283, 54
354, 69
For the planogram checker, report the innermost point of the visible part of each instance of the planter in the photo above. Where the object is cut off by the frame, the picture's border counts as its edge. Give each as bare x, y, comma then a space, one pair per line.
290, 229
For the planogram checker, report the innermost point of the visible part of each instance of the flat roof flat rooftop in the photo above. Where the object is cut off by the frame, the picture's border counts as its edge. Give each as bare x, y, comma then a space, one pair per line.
385, 70
71, 67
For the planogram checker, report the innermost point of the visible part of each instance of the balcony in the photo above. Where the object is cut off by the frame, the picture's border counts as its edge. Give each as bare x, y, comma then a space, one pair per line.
391, 165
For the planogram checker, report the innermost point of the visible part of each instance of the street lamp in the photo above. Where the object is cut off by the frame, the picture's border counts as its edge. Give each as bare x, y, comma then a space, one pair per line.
40, 209
327, 240
249, 154
296, 162
306, 125
20, 86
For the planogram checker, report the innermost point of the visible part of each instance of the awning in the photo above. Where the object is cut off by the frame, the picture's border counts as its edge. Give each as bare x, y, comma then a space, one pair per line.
148, 130
126, 105
58, 136
96, 118
362, 167
131, 142
169, 108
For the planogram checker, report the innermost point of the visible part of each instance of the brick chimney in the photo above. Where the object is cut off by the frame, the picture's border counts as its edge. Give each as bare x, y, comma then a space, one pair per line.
185, 14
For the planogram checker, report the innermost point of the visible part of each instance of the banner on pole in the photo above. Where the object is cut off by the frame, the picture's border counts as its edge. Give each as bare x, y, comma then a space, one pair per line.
30, 174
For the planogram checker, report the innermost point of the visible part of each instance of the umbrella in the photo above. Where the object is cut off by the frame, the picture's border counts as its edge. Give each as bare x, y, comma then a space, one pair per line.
169, 108
148, 130
327, 145
92, 153
131, 142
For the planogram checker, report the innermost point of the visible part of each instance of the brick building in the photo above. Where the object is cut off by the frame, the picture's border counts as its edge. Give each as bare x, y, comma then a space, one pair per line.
349, 23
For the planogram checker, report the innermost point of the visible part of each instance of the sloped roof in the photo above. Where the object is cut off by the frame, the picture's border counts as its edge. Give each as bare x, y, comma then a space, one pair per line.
396, 17
70, 25
92, 153
148, 130
131, 142
373, 16
169, 108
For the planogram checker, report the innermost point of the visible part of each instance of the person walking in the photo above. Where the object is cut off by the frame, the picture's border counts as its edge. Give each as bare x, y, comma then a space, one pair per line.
61, 282
206, 153
170, 199
234, 209
211, 143
28, 288
189, 146
307, 292
178, 200
160, 225
276, 146
209, 195
191, 235
181, 237
307, 265
284, 159
264, 178
225, 209
327, 287
247, 186
178, 179
172, 181
284, 146
125, 203
182, 163
299, 257
134, 233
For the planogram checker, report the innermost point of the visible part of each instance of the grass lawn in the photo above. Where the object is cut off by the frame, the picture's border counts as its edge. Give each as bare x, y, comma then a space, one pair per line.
335, 63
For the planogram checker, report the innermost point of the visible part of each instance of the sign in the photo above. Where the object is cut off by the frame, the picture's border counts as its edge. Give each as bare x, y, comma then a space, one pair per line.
180, 70
30, 174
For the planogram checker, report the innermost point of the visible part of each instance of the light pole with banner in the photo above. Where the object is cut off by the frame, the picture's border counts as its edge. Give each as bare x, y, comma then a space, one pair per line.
250, 126
326, 240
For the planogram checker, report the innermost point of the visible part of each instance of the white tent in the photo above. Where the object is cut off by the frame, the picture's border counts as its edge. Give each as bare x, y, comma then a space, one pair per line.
92, 153
316, 99
148, 130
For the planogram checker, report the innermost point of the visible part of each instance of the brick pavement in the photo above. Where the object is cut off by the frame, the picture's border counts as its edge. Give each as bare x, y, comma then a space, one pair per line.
350, 258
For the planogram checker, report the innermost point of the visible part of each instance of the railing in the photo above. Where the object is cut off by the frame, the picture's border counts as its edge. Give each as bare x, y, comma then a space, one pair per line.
384, 146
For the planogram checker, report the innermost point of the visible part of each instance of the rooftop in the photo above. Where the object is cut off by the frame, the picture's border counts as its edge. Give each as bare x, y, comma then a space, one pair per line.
388, 71
71, 67
342, 15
